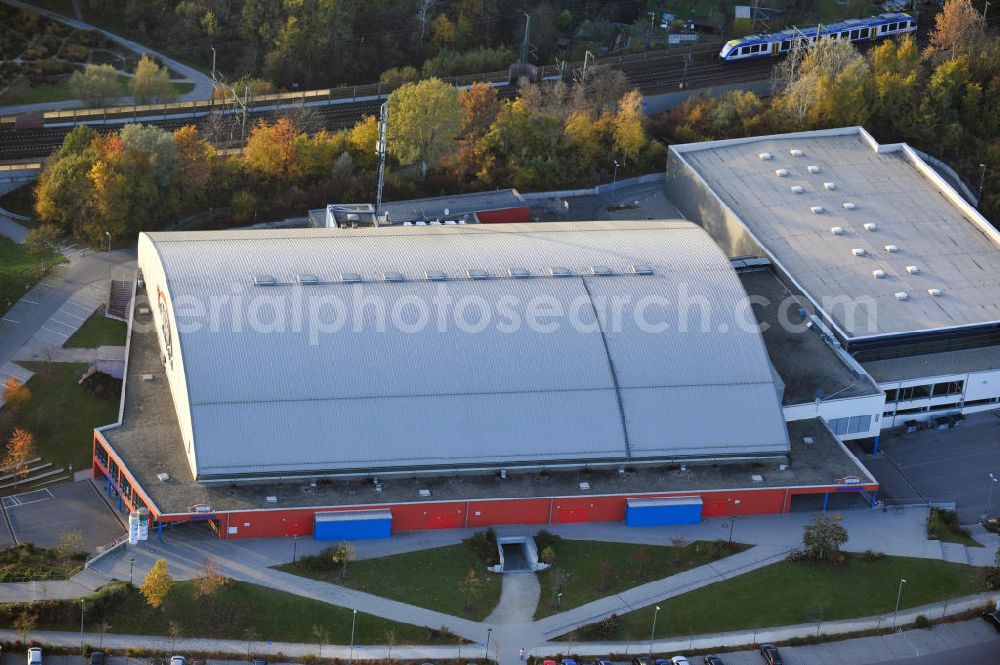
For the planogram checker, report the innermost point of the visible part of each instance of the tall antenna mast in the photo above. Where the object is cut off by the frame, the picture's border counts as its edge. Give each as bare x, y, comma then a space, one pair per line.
380, 148
527, 37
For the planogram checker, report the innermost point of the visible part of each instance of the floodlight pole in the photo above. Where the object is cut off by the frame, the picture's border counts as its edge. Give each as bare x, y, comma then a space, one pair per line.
982, 183
899, 595
652, 633
380, 148
989, 496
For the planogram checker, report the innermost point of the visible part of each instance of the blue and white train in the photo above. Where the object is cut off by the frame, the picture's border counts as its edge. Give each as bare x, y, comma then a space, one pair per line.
853, 29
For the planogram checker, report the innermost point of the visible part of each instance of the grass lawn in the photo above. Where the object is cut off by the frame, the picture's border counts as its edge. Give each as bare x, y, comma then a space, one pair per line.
586, 578
789, 593
19, 271
61, 414
238, 610
96, 331
23, 563
58, 92
429, 578
943, 525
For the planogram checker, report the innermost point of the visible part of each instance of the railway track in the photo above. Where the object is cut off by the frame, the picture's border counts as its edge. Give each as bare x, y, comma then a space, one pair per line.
705, 70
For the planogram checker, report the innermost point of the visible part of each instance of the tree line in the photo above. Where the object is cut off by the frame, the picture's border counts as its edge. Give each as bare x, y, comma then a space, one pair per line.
440, 140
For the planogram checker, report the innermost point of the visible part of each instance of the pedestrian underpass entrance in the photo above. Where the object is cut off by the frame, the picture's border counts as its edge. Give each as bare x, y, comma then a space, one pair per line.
517, 554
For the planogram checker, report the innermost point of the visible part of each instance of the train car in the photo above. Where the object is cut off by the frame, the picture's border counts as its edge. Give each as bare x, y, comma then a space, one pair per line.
854, 29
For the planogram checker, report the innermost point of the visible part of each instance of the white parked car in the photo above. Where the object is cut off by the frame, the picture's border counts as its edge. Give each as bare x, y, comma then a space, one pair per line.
34, 656
679, 660
178, 660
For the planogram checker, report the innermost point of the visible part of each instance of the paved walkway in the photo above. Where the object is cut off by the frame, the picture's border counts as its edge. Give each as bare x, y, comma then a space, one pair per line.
12, 230
202, 83
518, 599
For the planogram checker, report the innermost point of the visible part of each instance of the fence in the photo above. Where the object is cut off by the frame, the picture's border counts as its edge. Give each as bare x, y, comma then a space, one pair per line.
104, 550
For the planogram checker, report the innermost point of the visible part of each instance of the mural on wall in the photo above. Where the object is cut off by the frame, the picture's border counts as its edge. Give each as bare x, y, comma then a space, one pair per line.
165, 331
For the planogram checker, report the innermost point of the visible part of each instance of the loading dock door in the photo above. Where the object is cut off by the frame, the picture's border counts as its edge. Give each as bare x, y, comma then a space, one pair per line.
660, 512
353, 525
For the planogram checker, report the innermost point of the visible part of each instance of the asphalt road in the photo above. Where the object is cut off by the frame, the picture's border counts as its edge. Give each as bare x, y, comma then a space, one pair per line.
986, 653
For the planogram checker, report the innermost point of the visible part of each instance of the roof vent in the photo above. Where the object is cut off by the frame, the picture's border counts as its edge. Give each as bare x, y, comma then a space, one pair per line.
901, 295
392, 277
307, 279
436, 222
424, 492
436, 275
812, 169
766, 156
350, 277
892, 249
407, 223
271, 499
829, 186
560, 271
795, 152
519, 273
757, 478
420, 223
849, 206
934, 292
797, 189
475, 273
449, 222
781, 173
461, 221
640, 269
817, 210
878, 274
147, 377
808, 440
584, 486
163, 477
913, 270
602, 270
858, 251
870, 226
264, 280
837, 230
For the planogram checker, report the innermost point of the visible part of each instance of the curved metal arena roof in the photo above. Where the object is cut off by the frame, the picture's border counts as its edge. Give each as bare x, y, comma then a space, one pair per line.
443, 348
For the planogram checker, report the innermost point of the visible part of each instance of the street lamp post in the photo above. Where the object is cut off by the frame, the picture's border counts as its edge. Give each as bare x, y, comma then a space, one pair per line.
614, 181
899, 594
107, 234
295, 548
989, 496
982, 182
131, 567
81, 624
486, 650
354, 621
652, 633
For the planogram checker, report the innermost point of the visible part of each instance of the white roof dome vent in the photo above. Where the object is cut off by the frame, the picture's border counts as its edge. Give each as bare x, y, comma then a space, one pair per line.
795, 152
812, 169
934, 292
765, 156
892, 249
858, 251
817, 210
797, 189
781, 173
913, 270
870, 226
878, 274
849, 206
901, 295
829, 186
837, 230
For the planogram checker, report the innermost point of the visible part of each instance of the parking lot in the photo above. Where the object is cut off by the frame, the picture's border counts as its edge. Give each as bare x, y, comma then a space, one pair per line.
944, 465
41, 516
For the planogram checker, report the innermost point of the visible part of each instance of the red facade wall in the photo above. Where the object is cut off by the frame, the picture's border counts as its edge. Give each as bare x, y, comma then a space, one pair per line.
504, 215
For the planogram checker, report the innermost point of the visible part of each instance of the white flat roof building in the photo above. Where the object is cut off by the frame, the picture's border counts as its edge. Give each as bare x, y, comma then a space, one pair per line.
403, 350
873, 236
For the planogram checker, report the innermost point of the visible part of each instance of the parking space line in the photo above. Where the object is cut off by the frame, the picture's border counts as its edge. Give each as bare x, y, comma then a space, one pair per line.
16, 500
16, 323
30, 302
54, 332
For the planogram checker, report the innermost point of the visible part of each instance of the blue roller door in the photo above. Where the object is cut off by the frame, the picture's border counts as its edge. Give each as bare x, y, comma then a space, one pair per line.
353, 525
660, 512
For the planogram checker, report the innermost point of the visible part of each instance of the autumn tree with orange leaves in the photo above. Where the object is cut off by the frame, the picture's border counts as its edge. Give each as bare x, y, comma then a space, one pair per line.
20, 449
15, 393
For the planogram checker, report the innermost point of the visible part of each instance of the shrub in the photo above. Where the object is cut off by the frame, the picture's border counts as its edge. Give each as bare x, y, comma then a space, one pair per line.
922, 621
870, 556
545, 539
608, 627
484, 546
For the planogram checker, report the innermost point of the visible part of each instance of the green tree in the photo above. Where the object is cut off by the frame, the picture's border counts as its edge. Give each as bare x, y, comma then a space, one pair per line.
151, 83
425, 119
823, 536
157, 584
96, 85
157, 146
62, 190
